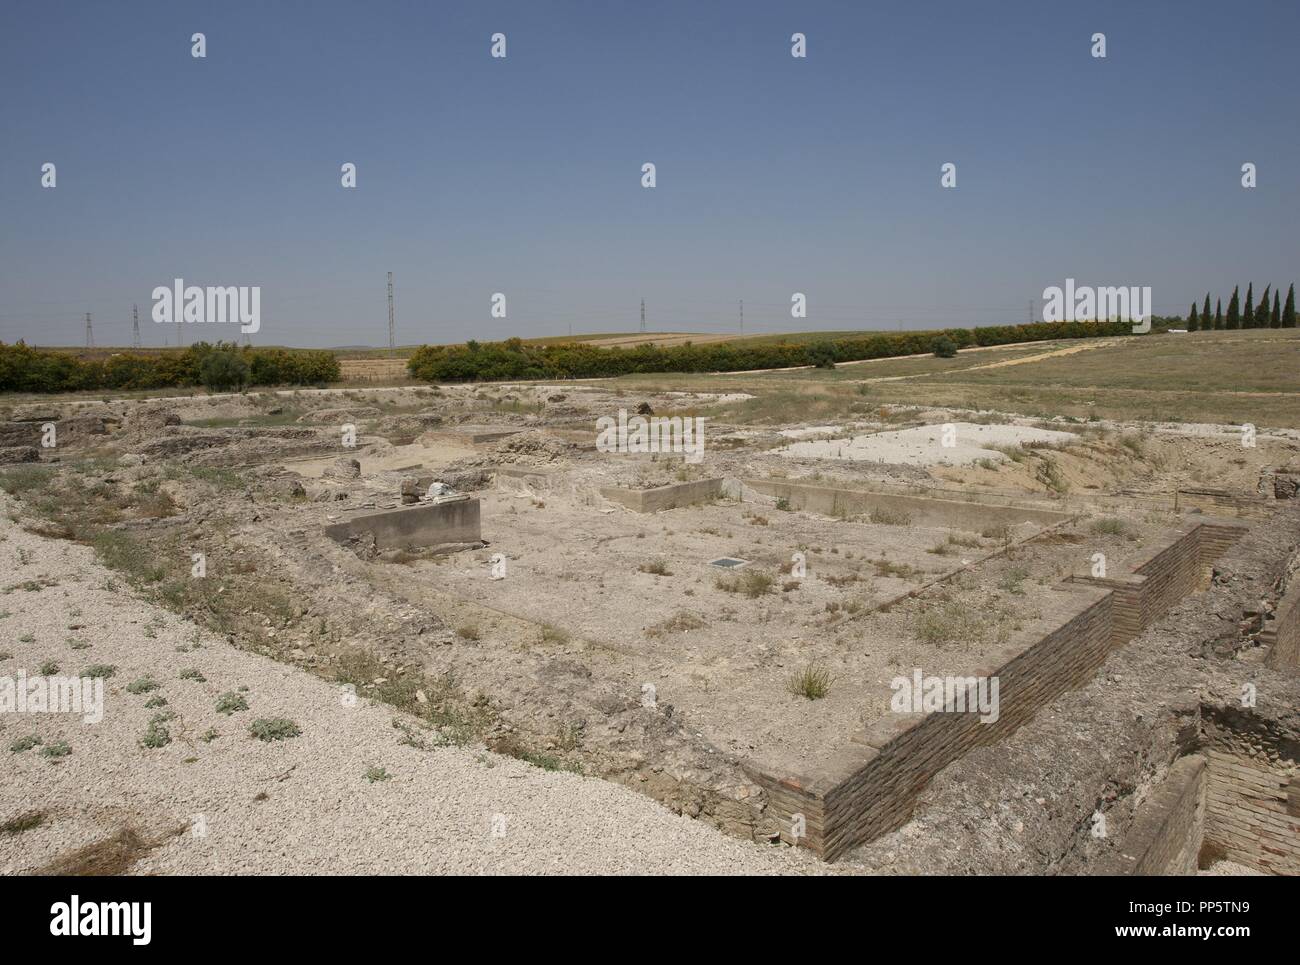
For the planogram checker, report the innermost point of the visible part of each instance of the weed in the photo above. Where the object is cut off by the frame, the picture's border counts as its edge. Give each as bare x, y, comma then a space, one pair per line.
889, 517
24, 744
1012, 580
274, 729
1110, 526
751, 583
24, 822
812, 682
230, 703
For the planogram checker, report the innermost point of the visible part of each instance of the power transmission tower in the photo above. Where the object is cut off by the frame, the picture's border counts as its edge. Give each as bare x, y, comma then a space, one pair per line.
1031, 311
135, 326
643, 314
90, 335
392, 331
742, 316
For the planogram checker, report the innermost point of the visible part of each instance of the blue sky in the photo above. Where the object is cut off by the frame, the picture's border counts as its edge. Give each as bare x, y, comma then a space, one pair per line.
775, 175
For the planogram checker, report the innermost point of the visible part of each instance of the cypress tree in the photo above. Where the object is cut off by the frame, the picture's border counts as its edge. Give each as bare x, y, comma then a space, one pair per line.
1218, 313
1248, 314
1288, 311
1205, 312
1193, 323
1233, 319
1261, 312
1276, 320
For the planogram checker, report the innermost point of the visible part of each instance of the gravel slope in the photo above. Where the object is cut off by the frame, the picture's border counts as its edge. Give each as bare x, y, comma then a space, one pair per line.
301, 805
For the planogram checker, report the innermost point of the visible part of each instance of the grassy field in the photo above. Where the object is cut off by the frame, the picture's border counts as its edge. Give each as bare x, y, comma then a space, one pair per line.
1217, 377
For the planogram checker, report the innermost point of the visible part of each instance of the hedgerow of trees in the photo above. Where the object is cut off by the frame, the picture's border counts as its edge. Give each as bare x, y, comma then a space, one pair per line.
25, 369
512, 359
1266, 313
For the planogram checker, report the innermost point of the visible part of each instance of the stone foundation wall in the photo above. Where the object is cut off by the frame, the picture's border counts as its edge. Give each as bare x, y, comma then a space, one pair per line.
922, 510
665, 497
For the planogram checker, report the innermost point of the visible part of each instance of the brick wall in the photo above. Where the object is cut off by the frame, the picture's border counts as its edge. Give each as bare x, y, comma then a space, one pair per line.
1167, 829
870, 786
1252, 791
1282, 633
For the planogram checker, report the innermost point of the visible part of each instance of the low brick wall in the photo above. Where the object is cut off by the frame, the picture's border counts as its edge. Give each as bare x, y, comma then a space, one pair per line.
1221, 502
665, 497
1167, 830
923, 510
870, 786
1165, 572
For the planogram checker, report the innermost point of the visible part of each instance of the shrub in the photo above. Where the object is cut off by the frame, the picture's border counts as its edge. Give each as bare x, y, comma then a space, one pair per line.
24, 369
822, 354
944, 348
156, 735
223, 369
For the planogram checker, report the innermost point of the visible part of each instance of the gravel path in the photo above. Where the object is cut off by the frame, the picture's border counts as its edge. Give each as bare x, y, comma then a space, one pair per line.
236, 804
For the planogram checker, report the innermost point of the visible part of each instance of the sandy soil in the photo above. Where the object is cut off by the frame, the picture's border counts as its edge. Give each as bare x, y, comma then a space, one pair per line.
924, 445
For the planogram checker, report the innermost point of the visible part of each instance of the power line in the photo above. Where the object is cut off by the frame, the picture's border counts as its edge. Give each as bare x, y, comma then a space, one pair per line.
392, 330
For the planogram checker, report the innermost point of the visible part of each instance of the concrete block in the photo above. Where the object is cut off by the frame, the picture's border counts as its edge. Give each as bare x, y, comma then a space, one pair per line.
422, 526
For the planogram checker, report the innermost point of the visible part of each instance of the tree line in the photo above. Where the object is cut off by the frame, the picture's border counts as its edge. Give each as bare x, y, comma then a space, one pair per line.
1251, 315
219, 367
513, 359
